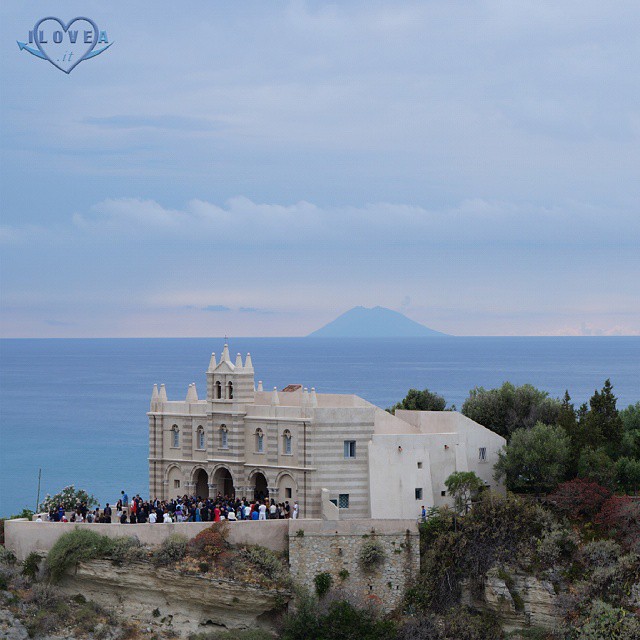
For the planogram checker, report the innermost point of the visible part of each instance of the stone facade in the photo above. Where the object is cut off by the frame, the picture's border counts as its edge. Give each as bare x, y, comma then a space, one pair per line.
336, 551
293, 444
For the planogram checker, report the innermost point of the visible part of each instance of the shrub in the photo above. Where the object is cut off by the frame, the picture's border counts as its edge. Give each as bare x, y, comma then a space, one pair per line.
268, 562
620, 517
580, 498
75, 546
601, 620
323, 582
209, 543
339, 620
7, 556
343, 575
125, 549
172, 550
31, 565
371, 555
601, 553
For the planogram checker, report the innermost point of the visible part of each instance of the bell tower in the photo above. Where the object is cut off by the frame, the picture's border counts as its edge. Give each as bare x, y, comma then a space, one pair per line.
229, 383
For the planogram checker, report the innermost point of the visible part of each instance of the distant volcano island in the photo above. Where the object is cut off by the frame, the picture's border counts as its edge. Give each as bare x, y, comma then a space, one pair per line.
378, 322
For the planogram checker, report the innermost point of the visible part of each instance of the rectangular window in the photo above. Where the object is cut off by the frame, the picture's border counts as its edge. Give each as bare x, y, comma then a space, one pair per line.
419, 465
176, 484
224, 439
418, 494
349, 448
287, 445
287, 492
343, 501
482, 454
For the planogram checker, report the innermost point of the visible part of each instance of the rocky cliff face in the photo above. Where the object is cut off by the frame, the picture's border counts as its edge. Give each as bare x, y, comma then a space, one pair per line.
520, 600
165, 598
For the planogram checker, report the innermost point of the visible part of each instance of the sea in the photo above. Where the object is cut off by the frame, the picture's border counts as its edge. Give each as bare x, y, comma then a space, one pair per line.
72, 411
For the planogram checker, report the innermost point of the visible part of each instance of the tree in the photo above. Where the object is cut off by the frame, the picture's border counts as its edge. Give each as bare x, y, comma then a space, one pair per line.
463, 486
424, 400
580, 498
628, 474
535, 460
602, 425
597, 466
631, 437
509, 408
69, 498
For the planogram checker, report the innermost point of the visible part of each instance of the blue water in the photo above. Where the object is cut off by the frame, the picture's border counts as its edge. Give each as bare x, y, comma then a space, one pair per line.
76, 408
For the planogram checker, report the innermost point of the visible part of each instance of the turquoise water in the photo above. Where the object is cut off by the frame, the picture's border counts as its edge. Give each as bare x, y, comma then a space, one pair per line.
76, 408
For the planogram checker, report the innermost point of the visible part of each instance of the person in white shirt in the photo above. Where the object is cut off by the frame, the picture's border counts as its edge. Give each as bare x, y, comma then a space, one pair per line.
295, 510
247, 512
231, 516
167, 518
153, 518
262, 511
39, 518
272, 510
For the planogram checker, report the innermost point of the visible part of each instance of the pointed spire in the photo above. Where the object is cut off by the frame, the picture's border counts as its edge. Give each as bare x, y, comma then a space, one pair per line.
154, 393
313, 397
274, 396
192, 394
238, 364
260, 389
305, 397
248, 365
225, 354
212, 363
162, 396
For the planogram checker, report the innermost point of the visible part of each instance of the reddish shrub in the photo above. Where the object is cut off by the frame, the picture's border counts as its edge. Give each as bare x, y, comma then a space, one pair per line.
620, 517
580, 498
209, 543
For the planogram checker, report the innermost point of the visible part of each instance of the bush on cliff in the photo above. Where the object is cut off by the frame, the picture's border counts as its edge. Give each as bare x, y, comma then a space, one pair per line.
75, 546
170, 551
209, 543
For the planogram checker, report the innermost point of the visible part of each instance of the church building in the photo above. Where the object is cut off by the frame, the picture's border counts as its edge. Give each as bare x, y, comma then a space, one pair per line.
338, 455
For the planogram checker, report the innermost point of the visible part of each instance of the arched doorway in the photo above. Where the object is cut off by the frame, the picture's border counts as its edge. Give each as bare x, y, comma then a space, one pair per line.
260, 490
223, 481
287, 489
202, 484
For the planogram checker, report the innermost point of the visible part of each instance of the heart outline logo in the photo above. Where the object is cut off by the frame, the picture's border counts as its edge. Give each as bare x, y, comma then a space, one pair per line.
65, 28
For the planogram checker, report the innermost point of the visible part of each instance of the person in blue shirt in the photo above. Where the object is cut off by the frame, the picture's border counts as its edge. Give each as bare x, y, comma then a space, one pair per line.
125, 499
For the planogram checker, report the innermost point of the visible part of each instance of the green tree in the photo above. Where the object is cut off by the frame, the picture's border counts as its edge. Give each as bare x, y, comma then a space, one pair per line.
508, 408
597, 466
628, 474
536, 459
631, 437
602, 425
424, 400
463, 486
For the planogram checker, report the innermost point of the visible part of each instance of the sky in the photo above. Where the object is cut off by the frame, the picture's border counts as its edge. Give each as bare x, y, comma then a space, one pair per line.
257, 168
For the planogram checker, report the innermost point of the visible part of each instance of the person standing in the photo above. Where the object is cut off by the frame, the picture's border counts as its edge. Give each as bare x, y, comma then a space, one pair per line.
296, 509
262, 511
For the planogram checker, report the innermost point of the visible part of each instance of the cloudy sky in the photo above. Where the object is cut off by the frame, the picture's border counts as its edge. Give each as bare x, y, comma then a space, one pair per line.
255, 168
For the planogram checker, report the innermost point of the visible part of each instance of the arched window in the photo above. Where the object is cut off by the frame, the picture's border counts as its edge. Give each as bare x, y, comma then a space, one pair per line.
224, 437
175, 436
259, 441
218, 390
230, 390
286, 442
201, 437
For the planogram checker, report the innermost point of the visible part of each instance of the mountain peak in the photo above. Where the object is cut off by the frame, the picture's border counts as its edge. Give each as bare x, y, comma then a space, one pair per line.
377, 322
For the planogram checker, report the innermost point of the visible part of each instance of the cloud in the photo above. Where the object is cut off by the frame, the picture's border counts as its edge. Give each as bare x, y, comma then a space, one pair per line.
478, 221
162, 123
214, 308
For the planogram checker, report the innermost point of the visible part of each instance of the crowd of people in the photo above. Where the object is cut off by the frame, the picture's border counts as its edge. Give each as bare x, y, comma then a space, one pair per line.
181, 509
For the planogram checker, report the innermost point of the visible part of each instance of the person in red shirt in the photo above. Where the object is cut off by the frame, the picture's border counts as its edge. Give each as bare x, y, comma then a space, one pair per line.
216, 514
